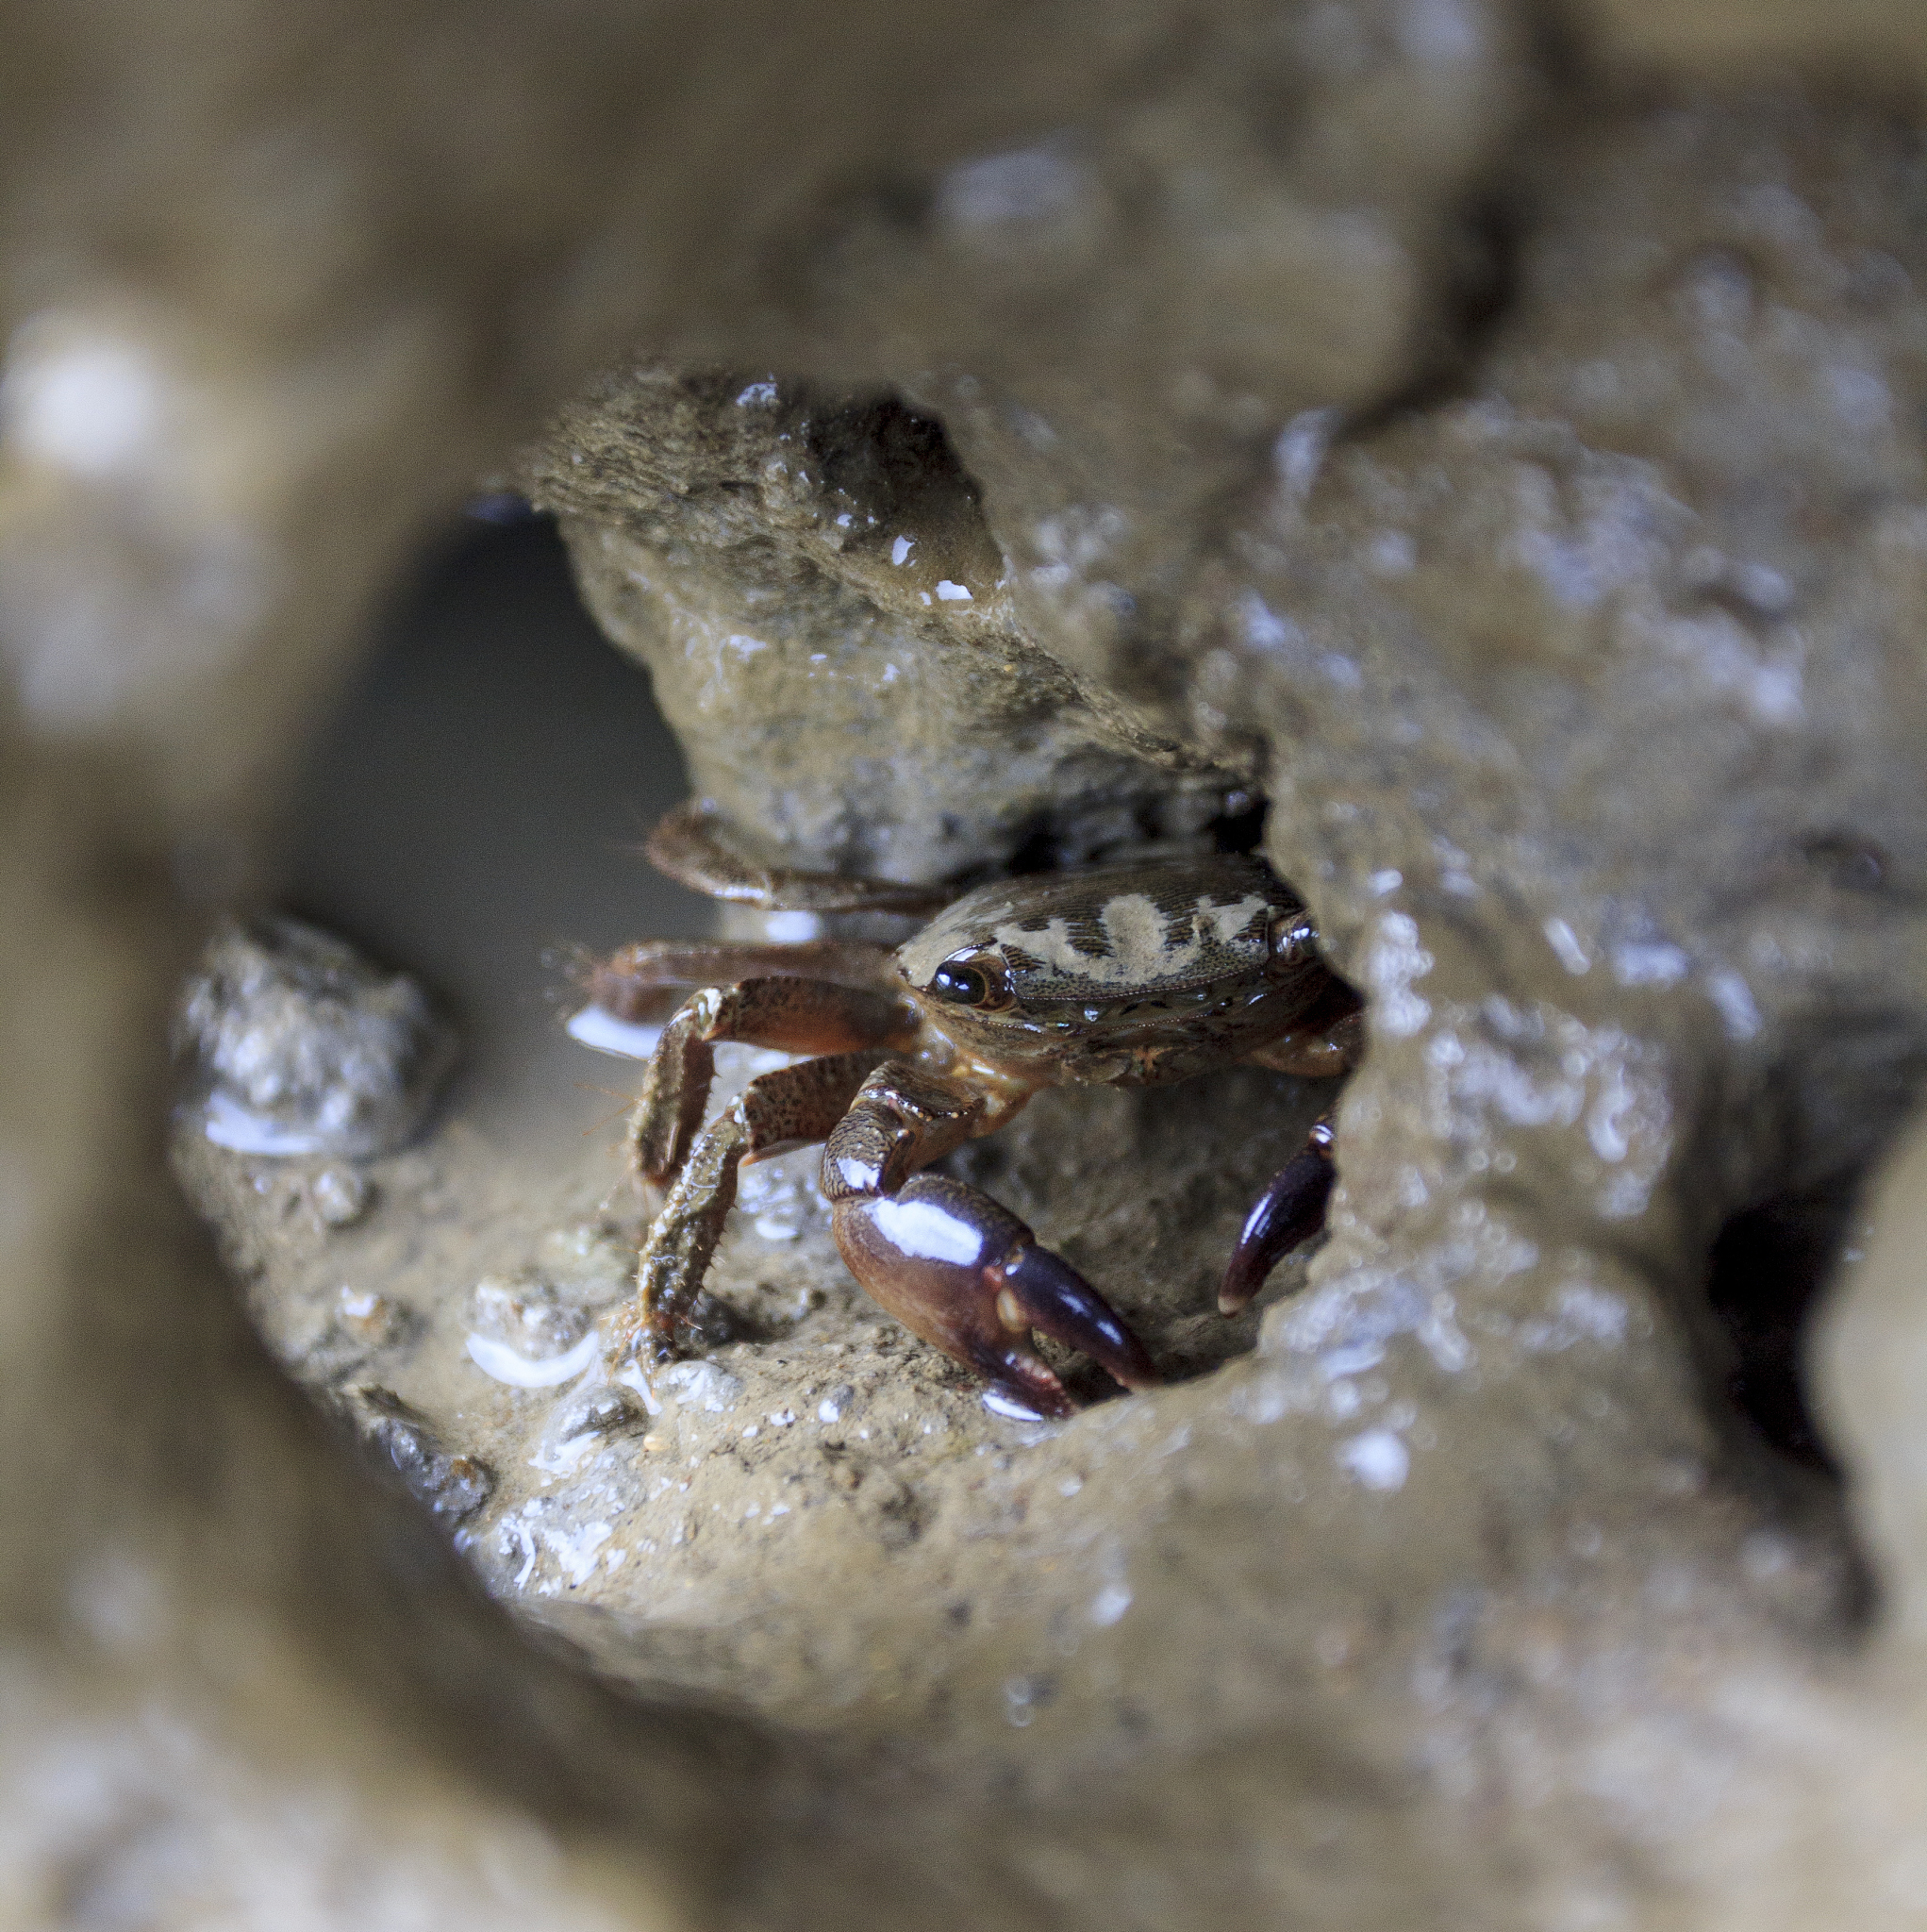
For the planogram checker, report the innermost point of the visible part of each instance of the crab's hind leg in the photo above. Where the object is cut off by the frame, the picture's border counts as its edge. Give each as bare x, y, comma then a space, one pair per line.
789, 1108
949, 1262
693, 846
813, 1016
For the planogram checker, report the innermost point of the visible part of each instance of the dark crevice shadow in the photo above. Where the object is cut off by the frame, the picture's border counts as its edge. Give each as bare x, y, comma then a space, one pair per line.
1481, 288
1766, 1267
472, 811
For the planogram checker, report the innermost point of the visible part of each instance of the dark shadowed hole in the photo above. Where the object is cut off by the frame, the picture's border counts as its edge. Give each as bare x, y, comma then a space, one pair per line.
476, 807
1242, 826
1050, 846
1768, 1265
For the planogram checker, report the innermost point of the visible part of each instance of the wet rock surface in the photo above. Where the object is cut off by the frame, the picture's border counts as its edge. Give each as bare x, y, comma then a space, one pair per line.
717, 1533
828, 623
1515, 485
1562, 684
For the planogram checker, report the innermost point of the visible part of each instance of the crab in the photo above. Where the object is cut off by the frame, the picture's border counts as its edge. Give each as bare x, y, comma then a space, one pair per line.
1132, 974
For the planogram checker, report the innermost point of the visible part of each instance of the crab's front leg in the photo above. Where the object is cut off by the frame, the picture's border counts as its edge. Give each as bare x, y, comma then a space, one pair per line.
791, 1107
1292, 1208
949, 1262
850, 1026
798, 1015
1289, 1211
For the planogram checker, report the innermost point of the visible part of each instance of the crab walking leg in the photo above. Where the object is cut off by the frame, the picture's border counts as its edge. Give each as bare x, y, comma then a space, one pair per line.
692, 846
1291, 1210
799, 1015
791, 1107
949, 1262
649, 980
1326, 1042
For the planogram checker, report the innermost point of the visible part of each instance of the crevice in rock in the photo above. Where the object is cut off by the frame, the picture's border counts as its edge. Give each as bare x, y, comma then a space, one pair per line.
1766, 1266
1156, 823
1479, 283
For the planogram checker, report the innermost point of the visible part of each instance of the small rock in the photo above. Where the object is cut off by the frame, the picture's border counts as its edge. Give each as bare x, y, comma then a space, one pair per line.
530, 1317
598, 1411
300, 1045
339, 1196
454, 1487
701, 1385
581, 1423
367, 1317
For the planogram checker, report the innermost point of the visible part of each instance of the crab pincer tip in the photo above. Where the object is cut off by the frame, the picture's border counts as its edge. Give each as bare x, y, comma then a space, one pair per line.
1289, 1211
1053, 1298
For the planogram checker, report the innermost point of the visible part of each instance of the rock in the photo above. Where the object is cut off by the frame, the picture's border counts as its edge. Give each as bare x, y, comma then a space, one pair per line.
1365, 407
802, 572
530, 1317
298, 1046
340, 1195
454, 1487
369, 1318
1561, 688
702, 1527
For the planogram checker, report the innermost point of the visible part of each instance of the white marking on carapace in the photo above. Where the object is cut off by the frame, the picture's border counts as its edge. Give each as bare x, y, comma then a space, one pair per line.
1141, 951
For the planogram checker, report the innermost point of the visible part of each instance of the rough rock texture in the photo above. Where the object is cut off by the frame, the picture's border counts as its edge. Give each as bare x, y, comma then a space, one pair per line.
900, 1598
1520, 488
1580, 688
830, 628
296, 1044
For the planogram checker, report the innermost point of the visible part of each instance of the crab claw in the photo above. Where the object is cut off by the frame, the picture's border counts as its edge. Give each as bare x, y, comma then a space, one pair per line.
1039, 1289
967, 1275
1291, 1210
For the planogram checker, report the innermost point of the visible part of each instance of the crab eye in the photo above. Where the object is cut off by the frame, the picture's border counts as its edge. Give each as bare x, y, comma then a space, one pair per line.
977, 979
963, 986
1294, 940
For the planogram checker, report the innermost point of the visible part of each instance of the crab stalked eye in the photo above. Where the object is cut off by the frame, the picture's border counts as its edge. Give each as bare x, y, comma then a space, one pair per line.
1293, 939
964, 986
972, 982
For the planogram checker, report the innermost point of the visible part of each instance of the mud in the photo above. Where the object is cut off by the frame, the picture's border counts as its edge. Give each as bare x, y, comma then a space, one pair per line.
460, 1307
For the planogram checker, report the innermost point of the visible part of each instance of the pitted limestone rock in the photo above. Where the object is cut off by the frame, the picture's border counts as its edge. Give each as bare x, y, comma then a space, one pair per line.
293, 1042
703, 1532
1582, 691
829, 628
1599, 679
